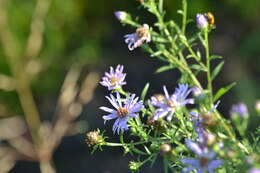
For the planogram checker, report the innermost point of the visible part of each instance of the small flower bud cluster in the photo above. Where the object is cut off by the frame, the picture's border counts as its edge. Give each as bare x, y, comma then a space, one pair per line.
94, 138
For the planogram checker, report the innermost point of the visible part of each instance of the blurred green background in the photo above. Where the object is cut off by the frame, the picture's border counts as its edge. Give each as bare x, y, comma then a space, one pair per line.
86, 33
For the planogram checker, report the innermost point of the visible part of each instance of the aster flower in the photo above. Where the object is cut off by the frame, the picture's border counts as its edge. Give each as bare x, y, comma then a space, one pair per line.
121, 15
205, 160
142, 35
239, 109
168, 104
254, 170
202, 21
115, 78
124, 109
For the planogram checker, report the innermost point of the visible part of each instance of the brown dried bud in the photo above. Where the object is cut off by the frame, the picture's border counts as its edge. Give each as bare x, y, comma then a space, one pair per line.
208, 120
93, 138
210, 138
165, 149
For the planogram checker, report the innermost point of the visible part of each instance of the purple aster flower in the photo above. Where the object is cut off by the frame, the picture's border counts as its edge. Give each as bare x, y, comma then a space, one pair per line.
121, 15
115, 78
254, 170
239, 109
205, 160
168, 105
202, 21
142, 35
124, 109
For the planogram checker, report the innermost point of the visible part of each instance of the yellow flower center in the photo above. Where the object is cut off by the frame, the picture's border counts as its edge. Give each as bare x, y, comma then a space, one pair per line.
171, 103
122, 112
113, 81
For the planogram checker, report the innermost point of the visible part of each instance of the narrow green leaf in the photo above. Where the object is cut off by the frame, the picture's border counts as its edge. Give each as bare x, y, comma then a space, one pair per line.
217, 70
156, 53
164, 68
215, 57
223, 91
144, 92
197, 67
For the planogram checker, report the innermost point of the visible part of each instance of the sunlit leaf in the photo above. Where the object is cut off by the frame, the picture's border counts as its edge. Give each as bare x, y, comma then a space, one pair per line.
217, 70
144, 92
223, 91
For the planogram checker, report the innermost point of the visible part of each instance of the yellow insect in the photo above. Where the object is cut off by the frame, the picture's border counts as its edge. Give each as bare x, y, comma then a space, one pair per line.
210, 17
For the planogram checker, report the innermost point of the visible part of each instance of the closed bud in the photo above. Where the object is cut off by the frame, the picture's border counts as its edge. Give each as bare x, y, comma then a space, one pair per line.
165, 149
202, 21
121, 15
134, 166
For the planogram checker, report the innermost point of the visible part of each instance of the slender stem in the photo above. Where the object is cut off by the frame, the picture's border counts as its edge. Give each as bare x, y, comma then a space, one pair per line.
184, 16
12, 53
208, 65
161, 6
47, 167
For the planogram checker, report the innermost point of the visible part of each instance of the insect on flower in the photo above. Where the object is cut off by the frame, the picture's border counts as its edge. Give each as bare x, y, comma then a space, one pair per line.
211, 18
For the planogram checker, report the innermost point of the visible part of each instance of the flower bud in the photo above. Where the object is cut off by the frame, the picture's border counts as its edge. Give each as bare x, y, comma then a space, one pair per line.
208, 120
121, 15
202, 21
196, 91
94, 138
134, 166
165, 149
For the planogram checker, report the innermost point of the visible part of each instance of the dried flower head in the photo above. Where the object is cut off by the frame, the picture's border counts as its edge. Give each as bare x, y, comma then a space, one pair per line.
141, 36
94, 138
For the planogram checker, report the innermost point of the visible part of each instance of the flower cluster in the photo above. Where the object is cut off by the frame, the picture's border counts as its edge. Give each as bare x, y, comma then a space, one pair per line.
124, 108
183, 126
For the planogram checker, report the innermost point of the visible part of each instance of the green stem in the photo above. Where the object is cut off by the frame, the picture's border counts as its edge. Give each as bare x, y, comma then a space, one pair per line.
208, 65
184, 16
